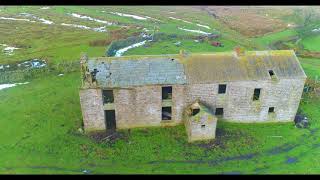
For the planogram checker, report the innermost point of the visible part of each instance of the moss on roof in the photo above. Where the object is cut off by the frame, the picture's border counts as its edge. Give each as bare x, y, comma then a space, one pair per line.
206, 68
200, 67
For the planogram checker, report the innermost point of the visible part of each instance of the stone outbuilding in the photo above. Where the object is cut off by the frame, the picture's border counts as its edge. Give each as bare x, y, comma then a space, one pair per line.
200, 122
154, 90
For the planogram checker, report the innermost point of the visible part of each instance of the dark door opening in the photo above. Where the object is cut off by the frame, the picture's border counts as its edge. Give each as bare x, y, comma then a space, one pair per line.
166, 113
110, 117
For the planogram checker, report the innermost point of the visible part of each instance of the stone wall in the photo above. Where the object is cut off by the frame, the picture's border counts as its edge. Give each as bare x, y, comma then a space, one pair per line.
284, 95
195, 130
92, 110
141, 106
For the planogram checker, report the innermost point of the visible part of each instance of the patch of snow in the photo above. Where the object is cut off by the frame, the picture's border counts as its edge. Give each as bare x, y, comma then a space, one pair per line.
9, 50
145, 29
177, 43
99, 29
123, 50
145, 35
316, 30
4, 86
37, 64
129, 15
91, 19
181, 20
153, 18
196, 31
44, 21
16, 19
203, 26
45, 7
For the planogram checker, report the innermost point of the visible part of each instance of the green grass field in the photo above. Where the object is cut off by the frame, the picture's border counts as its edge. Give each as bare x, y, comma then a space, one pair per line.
41, 119
311, 43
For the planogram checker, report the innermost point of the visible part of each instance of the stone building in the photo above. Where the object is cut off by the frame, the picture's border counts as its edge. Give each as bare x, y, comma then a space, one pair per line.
142, 91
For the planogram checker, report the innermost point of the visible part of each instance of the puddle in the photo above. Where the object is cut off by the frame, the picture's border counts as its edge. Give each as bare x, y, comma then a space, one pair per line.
316, 145
99, 29
44, 21
16, 19
123, 50
281, 149
181, 20
129, 15
90, 19
5, 86
29, 64
203, 26
291, 160
196, 31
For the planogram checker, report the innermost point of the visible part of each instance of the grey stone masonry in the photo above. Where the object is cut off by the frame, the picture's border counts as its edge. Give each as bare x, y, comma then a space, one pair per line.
92, 110
284, 95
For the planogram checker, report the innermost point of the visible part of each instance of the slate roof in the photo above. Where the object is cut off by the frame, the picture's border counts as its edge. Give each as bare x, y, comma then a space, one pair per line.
254, 65
194, 68
137, 72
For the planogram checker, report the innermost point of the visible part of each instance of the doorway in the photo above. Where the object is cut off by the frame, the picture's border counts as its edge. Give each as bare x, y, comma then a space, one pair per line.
110, 118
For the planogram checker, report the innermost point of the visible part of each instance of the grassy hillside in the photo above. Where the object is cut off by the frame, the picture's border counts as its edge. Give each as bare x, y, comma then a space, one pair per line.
311, 43
41, 119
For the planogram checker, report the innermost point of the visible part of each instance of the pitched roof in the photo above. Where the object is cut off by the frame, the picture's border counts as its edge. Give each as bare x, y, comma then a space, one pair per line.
194, 68
137, 72
254, 65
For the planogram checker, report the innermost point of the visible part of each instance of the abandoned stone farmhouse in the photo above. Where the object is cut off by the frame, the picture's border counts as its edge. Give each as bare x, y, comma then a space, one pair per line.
164, 90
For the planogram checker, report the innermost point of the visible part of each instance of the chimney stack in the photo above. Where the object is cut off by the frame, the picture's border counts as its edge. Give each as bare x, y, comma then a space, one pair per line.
240, 51
184, 53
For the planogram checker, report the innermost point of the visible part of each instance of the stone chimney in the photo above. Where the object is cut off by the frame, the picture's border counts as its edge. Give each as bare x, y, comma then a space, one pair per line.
240, 51
184, 53
84, 58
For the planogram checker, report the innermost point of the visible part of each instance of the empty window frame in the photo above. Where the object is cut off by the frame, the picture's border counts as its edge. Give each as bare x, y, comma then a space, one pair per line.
272, 74
107, 96
219, 112
222, 88
167, 92
271, 110
195, 111
166, 113
256, 94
